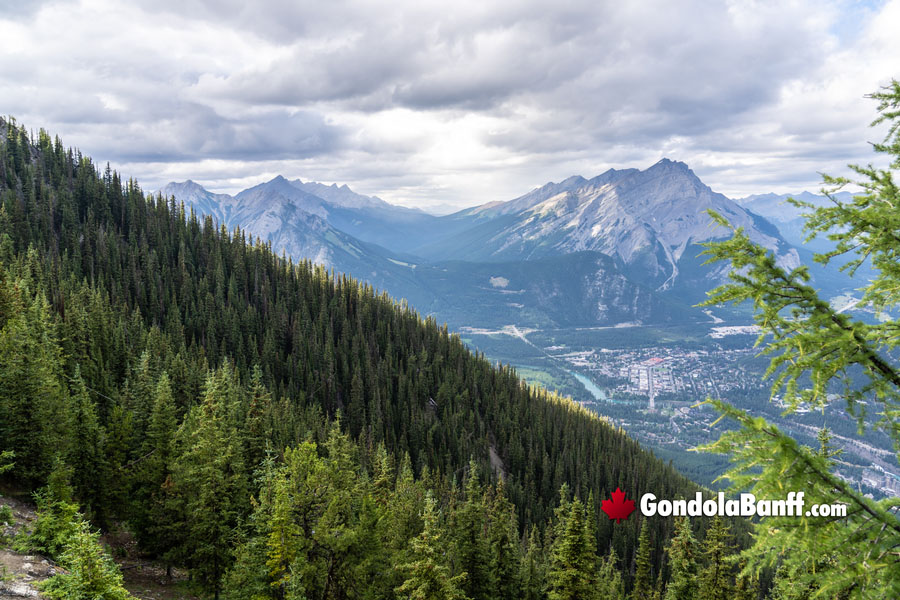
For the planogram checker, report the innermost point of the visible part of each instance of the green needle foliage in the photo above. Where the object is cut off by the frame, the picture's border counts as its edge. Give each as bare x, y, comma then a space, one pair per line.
210, 474
428, 578
682, 551
62, 533
815, 349
472, 543
532, 568
6, 461
609, 581
643, 584
715, 578
56, 523
573, 556
505, 551
90, 572
6, 464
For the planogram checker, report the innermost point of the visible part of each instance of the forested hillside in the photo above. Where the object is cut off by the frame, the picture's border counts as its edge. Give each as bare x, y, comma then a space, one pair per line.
279, 431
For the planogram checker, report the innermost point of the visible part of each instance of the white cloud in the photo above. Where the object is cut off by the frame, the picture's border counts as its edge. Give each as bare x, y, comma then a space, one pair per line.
420, 104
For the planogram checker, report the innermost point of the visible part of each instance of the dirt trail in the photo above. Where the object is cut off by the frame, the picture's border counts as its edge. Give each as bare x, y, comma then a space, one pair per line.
19, 573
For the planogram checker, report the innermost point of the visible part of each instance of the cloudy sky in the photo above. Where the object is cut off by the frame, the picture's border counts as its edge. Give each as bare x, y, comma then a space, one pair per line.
427, 103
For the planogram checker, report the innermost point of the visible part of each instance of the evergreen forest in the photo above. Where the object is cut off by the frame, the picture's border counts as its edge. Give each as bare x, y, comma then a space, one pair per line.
281, 431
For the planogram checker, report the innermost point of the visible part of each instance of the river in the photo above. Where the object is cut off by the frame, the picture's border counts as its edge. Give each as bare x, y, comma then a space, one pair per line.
590, 386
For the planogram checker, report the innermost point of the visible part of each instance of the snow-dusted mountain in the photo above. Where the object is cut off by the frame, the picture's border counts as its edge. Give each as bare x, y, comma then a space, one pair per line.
204, 202
584, 288
305, 218
266, 213
344, 197
296, 223
278, 192
367, 218
650, 221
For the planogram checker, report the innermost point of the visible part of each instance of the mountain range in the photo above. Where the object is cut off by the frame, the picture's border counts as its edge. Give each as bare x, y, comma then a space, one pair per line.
623, 246
650, 222
789, 218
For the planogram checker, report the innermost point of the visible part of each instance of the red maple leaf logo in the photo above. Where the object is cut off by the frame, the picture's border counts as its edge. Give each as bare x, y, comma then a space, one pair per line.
618, 508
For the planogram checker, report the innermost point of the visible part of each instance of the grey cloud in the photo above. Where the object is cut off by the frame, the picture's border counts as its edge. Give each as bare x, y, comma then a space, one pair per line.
403, 58
22, 11
305, 77
278, 20
667, 76
195, 133
179, 131
572, 87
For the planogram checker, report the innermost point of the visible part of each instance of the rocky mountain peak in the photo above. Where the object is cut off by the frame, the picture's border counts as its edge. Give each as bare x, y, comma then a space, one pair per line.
647, 219
192, 192
188, 186
672, 164
571, 182
672, 171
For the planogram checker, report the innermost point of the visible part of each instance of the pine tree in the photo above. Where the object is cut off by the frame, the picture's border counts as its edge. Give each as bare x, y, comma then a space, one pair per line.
90, 574
120, 457
715, 578
6, 515
428, 577
643, 584
210, 477
90, 471
357, 408
255, 435
35, 415
139, 394
285, 541
746, 585
471, 548
403, 520
504, 547
261, 568
532, 568
682, 552
56, 522
609, 579
384, 476
572, 573
6, 460
153, 518
345, 534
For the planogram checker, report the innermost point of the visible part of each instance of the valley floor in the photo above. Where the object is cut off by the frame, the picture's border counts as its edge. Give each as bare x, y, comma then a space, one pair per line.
649, 381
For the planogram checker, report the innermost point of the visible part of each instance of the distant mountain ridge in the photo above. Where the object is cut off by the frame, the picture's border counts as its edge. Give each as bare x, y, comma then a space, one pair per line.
368, 218
268, 212
296, 223
648, 222
219, 206
581, 289
787, 217
791, 224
